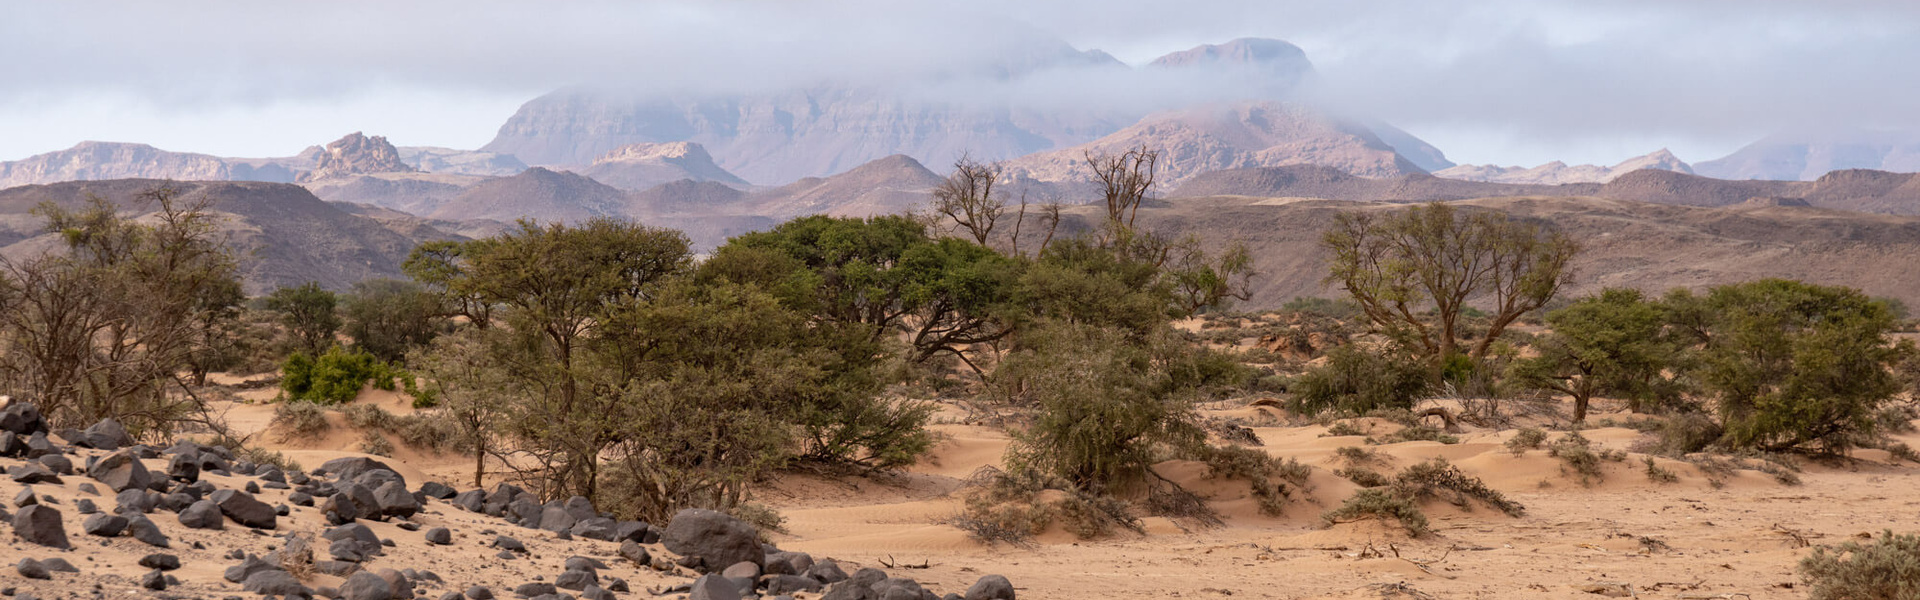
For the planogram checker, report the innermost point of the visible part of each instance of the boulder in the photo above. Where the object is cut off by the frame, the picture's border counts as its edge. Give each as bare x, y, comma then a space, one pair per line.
22, 419
247, 568
991, 587
144, 530
351, 468
713, 587
635, 552
576, 580
556, 519
160, 561
439, 536
275, 582
104, 525
366, 586
32, 473
202, 515
395, 500
121, 471
32, 569
713, 539
40, 525
105, 435
184, 467
437, 490
244, 509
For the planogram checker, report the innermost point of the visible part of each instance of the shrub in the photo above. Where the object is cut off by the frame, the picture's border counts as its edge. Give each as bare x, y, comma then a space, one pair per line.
1356, 381
376, 444
299, 420
335, 377
1900, 451
1012, 507
1359, 457
1526, 439
1416, 433
369, 417
1364, 477
1579, 456
1685, 434
1436, 478
1887, 568
1273, 480
1658, 474
761, 516
1342, 429
1383, 504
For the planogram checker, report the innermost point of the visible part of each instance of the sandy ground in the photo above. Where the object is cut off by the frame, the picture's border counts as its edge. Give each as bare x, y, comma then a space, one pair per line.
1686, 539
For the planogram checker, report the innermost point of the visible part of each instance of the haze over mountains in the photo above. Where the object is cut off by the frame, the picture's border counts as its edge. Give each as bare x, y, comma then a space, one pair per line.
720, 164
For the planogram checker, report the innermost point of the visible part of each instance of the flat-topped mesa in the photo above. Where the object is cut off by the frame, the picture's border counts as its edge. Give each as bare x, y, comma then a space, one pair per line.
357, 154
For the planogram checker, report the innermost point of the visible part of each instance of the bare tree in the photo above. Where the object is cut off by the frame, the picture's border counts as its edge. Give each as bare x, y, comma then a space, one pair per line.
1126, 179
967, 198
1401, 265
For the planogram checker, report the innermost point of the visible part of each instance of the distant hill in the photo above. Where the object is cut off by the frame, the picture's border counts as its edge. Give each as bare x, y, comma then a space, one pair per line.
1233, 136
417, 193
1855, 190
889, 185
461, 162
1635, 244
1557, 172
538, 193
287, 236
641, 166
1807, 156
111, 160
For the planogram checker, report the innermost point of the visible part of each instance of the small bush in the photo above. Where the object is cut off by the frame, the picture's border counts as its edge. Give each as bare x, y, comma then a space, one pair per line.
761, 516
334, 377
1416, 433
1900, 451
368, 417
1436, 478
1273, 480
1658, 474
299, 420
1359, 457
1004, 506
376, 444
1579, 456
1887, 568
1355, 381
1383, 504
1685, 434
1526, 439
1342, 429
256, 454
1364, 477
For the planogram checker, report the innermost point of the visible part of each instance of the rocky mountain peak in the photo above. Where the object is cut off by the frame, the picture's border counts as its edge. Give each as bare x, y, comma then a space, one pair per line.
357, 154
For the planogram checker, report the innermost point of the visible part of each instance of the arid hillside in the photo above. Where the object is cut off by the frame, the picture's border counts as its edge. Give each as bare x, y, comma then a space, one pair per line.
286, 235
1648, 246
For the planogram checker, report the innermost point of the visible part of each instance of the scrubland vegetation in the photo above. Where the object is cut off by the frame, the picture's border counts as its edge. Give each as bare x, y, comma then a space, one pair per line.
604, 359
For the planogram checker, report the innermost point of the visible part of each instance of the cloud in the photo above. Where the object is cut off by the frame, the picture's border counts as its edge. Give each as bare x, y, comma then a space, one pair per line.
1517, 81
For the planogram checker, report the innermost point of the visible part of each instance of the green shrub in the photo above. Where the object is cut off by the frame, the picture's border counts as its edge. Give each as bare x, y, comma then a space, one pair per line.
1356, 456
1344, 309
1273, 479
1356, 381
376, 444
335, 377
1343, 429
1888, 568
1379, 503
1685, 434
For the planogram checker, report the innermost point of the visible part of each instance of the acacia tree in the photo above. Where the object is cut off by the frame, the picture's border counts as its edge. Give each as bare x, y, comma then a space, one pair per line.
1414, 271
462, 370
105, 326
310, 313
1126, 181
1614, 341
388, 317
967, 197
552, 285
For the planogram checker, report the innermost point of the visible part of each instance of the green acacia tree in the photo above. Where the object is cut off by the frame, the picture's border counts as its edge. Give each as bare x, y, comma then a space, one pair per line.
388, 317
310, 313
1793, 366
1611, 342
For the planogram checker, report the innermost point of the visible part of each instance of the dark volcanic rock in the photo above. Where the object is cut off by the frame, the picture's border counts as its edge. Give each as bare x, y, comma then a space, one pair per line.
202, 515
244, 509
714, 539
40, 525
121, 471
991, 587
104, 525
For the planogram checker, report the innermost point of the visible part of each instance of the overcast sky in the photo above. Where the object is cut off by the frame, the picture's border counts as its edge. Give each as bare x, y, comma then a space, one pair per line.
1500, 81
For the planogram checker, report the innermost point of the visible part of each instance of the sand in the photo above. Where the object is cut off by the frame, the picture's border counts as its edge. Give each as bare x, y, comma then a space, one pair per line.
1687, 539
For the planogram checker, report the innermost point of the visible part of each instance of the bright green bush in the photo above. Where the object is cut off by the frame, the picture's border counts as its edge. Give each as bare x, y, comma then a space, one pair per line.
1888, 568
1357, 381
334, 378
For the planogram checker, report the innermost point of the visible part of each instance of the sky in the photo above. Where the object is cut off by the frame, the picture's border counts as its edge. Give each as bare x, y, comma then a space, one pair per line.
1511, 82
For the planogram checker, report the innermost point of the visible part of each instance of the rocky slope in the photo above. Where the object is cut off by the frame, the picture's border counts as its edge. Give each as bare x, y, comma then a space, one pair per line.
285, 235
1232, 136
1648, 246
641, 166
1854, 190
111, 160
1806, 156
417, 193
1556, 172
356, 154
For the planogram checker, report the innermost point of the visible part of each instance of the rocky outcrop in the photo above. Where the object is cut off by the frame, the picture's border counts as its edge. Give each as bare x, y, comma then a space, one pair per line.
111, 160
1556, 172
641, 166
538, 193
356, 154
